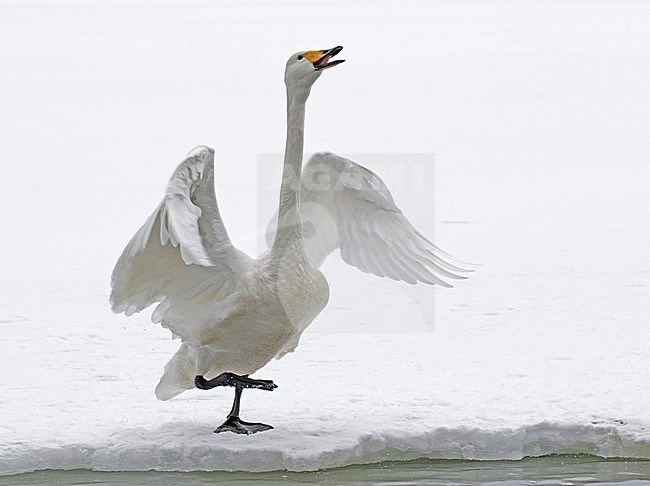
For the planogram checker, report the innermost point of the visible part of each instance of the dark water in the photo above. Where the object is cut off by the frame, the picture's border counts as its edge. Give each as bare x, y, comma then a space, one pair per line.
552, 470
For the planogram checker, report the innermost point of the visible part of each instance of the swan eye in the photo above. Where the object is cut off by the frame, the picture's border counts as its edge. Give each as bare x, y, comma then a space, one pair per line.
300, 57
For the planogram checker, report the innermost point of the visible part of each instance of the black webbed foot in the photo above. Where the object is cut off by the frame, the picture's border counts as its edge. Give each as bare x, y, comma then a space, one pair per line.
233, 423
238, 426
231, 379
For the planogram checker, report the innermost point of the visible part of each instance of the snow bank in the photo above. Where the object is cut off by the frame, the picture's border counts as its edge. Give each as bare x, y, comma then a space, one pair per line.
342, 399
132, 452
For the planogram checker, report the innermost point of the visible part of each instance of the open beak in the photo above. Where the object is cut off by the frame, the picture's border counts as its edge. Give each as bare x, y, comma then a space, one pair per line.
321, 59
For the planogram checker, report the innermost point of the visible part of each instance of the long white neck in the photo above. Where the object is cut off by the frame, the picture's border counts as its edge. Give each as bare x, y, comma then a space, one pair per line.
289, 231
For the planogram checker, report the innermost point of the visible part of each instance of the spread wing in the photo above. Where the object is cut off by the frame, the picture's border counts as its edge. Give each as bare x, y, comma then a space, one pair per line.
182, 253
346, 206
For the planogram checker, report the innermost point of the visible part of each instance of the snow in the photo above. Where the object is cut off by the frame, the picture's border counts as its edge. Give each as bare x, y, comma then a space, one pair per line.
451, 396
537, 118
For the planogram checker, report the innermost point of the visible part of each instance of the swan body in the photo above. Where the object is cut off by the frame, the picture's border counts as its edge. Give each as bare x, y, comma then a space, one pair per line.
234, 313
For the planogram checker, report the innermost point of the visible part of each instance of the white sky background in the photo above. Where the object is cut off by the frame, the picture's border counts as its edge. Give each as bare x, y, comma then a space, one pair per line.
537, 114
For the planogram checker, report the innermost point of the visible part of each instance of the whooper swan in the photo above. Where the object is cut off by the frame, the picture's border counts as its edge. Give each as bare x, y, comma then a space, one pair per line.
233, 313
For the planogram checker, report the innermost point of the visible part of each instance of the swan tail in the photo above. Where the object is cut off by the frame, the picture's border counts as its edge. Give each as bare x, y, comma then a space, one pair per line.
178, 375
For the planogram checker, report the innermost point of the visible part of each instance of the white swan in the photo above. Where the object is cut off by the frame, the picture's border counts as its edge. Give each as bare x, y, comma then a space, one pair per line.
234, 313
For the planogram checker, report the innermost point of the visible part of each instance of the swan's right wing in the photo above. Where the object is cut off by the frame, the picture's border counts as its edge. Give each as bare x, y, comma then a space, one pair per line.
182, 252
346, 206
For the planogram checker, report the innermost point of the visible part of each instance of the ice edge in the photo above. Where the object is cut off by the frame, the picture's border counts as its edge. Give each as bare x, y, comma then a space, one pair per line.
607, 441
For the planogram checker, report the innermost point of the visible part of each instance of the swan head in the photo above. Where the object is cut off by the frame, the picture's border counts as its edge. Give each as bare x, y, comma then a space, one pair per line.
304, 68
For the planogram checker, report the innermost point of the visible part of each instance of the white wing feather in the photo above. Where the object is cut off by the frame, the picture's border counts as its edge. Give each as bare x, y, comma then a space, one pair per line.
346, 206
182, 251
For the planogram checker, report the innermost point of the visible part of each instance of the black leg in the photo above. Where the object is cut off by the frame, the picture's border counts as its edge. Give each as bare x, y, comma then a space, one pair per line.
233, 423
234, 411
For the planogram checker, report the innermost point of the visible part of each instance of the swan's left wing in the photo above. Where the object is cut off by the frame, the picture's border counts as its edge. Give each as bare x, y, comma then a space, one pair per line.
182, 252
346, 206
